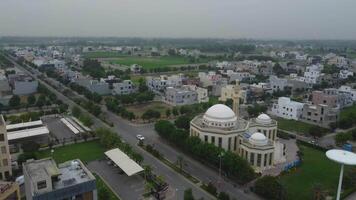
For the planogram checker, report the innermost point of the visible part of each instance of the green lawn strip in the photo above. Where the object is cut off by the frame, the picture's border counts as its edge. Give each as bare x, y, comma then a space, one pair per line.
101, 186
85, 151
294, 126
151, 62
102, 54
316, 169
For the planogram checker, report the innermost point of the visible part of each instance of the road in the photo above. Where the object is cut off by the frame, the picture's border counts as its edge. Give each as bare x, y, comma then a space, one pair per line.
175, 180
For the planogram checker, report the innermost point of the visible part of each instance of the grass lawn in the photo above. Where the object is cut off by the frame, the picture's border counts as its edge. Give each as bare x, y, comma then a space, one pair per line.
349, 111
158, 106
294, 126
316, 169
102, 54
103, 188
151, 62
86, 151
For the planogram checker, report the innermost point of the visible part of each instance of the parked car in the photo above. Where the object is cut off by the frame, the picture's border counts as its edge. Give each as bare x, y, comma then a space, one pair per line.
140, 137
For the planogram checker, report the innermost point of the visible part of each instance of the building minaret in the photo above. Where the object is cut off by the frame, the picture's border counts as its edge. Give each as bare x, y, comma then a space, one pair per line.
5, 159
236, 99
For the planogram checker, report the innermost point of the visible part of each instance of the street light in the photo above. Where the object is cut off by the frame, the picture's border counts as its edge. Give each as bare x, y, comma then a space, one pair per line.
344, 158
220, 156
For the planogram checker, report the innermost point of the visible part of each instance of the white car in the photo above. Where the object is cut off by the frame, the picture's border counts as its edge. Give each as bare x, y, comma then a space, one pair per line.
140, 137
20, 180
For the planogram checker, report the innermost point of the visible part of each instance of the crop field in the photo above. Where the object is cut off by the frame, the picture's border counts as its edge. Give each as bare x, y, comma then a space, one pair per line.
150, 62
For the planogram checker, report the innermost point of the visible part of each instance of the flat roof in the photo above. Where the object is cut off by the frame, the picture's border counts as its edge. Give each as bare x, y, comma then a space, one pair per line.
24, 125
70, 126
129, 166
14, 135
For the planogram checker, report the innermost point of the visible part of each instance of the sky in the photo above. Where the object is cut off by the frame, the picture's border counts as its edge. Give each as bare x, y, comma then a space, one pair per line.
256, 19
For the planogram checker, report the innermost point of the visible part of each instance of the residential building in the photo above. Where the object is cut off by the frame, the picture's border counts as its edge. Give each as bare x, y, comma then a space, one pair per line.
9, 191
123, 87
202, 93
5, 159
287, 109
219, 84
320, 114
332, 97
69, 180
180, 96
277, 84
135, 68
159, 84
233, 76
209, 79
344, 74
312, 74
22, 84
348, 90
5, 90
96, 86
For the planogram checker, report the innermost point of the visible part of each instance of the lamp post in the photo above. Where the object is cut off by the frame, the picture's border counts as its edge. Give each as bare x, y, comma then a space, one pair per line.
220, 156
344, 158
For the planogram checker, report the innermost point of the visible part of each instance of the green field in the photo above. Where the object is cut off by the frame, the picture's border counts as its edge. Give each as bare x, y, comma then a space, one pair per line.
150, 62
294, 126
347, 112
102, 54
158, 106
103, 188
316, 169
86, 151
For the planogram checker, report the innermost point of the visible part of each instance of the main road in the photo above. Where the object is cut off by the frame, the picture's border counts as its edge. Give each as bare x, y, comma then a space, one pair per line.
128, 132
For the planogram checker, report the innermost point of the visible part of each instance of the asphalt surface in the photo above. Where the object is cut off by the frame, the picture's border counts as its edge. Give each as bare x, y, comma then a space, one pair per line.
127, 132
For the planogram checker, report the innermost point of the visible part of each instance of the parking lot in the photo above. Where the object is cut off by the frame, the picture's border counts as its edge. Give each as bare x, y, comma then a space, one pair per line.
130, 187
57, 128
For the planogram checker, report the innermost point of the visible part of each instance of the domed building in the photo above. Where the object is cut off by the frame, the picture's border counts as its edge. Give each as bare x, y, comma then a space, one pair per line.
255, 139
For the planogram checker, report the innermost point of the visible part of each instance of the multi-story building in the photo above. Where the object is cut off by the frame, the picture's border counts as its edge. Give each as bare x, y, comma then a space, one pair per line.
348, 90
69, 180
123, 87
320, 114
9, 191
96, 86
288, 109
277, 84
202, 93
5, 90
159, 84
22, 84
5, 159
344, 74
233, 76
180, 96
312, 74
332, 97
209, 79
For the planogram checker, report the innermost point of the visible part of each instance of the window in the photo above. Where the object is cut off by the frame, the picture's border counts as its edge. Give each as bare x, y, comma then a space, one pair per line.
213, 139
229, 144
5, 162
252, 158
265, 161
2, 137
220, 141
270, 158
3, 150
259, 156
235, 141
205, 138
41, 185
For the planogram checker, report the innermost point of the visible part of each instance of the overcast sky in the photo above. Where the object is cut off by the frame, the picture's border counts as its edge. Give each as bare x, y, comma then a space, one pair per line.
266, 19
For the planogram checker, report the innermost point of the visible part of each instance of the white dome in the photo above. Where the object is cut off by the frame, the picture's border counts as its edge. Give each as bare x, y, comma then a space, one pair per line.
258, 139
220, 115
263, 119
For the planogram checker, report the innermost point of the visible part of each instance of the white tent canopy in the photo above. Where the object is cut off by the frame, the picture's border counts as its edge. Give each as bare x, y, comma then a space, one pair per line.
129, 166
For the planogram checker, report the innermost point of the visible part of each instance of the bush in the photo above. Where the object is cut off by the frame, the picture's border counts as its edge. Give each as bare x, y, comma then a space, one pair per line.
30, 146
269, 188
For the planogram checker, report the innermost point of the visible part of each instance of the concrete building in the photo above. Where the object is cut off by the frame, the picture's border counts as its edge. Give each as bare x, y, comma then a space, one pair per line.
159, 84
180, 96
9, 191
5, 90
255, 140
69, 180
277, 84
5, 159
135, 68
348, 90
240, 76
101, 88
216, 89
344, 74
22, 84
123, 87
209, 79
202, 93
320, 114
332, 97
312, 74
287, 109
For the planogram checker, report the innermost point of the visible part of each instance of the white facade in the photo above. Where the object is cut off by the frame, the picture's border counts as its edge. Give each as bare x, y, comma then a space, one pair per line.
349, 90
312, 74
287, 109
202, 93
344, 74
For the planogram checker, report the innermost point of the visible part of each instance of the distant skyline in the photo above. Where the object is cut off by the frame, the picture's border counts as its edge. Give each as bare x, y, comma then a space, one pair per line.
255, 19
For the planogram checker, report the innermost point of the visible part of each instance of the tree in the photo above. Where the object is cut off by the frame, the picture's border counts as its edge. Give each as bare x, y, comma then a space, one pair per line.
30, 146
223, 196
151, 114
76, 111
175, 111
168, 112
188, 194
41, 101
315, 131
269, 188
14, 101
183, 122
211, 189
31, 100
